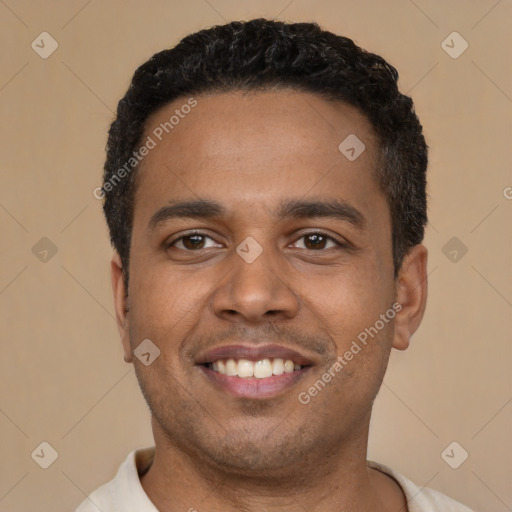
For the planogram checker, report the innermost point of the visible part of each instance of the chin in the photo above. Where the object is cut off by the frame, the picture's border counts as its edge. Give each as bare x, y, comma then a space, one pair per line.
255, 458
265, 451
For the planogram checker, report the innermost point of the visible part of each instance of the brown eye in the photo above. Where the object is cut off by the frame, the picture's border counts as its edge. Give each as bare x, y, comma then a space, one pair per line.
190, 242
193, 241
315, 241
318, 241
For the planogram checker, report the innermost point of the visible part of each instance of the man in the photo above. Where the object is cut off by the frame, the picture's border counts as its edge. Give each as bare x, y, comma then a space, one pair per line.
265, 194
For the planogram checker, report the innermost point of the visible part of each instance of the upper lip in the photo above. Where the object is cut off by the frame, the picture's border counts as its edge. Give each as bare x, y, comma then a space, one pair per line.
253, 353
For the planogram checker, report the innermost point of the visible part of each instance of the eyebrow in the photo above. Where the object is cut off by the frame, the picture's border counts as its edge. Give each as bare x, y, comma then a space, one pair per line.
289, 209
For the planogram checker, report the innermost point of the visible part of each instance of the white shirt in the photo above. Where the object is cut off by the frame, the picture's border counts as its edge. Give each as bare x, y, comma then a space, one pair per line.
124, 493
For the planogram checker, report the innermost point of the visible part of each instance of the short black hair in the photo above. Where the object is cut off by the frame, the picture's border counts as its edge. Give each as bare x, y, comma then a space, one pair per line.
261, 54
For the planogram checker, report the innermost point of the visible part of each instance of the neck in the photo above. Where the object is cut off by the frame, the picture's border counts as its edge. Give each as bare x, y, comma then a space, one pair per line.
335, 481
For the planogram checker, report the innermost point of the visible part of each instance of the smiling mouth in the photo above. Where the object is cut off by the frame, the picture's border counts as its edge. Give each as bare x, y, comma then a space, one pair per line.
246, 369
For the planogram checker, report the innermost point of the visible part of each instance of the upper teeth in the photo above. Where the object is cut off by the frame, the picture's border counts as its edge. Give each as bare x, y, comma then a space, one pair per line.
259, 369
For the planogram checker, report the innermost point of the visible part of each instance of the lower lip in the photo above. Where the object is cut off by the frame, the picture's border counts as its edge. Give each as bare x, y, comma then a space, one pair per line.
252, 387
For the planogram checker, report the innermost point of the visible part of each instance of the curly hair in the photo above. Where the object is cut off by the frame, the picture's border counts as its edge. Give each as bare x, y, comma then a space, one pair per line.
261, 55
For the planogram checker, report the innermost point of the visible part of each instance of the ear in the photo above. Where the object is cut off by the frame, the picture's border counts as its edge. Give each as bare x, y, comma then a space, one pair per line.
121, 304
411, 294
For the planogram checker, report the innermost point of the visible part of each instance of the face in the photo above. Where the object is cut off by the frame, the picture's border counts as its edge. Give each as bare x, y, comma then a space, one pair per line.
279, 261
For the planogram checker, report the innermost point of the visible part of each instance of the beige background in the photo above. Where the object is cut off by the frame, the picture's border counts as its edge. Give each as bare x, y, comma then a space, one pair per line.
63, 376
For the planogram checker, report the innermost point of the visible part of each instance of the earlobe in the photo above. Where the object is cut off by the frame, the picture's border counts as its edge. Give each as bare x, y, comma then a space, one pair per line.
121, 304
411, 294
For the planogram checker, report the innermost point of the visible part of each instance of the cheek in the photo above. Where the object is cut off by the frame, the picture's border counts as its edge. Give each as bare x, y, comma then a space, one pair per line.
350, 302
162, 302
354, 376
350, 308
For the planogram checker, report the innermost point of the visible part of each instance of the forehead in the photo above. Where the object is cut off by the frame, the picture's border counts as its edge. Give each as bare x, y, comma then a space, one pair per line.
254, 148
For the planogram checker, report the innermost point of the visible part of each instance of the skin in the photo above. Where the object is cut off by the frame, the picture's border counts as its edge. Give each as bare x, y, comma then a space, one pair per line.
249, 152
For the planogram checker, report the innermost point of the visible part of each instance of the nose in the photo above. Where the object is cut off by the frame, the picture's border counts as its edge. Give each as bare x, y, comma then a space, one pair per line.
257, 291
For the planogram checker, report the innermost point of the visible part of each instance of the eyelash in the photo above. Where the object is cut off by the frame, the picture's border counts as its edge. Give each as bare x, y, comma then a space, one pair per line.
325, 235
